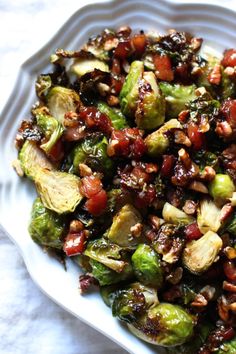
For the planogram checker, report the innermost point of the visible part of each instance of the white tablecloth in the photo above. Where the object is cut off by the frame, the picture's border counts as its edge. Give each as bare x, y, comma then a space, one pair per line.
30, 323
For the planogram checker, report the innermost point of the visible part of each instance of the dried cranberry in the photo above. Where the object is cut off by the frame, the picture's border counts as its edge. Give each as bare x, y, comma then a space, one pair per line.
123, 49
229, 58
163, 67
192, 232
97, 203
90, 186
230, 270
167, 165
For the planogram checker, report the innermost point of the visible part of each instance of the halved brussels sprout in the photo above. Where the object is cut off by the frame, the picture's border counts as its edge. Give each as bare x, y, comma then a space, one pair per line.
174, 215
131, 302
176, 97
199, 255
59, 191
158, 142
107, 253
221, 188
150, 112
92, 151
107, 276
208, 216
51, 128
117, 118
129, 94
193, 346
61, 100
147, 266
46, 227
123, 221
165, 325
32, 158
83, 66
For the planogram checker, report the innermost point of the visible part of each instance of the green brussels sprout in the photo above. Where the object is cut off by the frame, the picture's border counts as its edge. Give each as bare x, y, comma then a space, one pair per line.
51, 129
174, 215
228, 347
199, 255
150, 112
221, 188
46, 227
82, 66
165, 325
93, 152
107, 276
147, 266
176, 97
129, 94
59, 191
107, 253
133, 301
123, 221
61, 100
193, 346
32, 159
208, 216
117, 118
158, 142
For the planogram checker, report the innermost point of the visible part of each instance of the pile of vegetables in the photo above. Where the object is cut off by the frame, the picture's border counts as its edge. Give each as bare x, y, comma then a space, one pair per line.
132, 151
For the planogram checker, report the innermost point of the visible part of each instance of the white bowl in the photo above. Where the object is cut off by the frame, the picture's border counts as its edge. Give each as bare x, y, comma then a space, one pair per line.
215, 24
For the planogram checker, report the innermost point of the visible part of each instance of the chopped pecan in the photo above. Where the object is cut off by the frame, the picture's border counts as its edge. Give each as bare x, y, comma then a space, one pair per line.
198, 187
229, 287
190, 207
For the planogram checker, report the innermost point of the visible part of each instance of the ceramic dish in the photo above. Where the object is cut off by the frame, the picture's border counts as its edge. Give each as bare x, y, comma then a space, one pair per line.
215, 24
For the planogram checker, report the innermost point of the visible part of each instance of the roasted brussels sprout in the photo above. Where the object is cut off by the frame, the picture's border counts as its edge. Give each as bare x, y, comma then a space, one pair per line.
59, 191
130, 303
32, 158
120, 231
61, 100
117, 118
228, 347
199, 255
174, 215
150, 112
208, 216
176, 97
221, 188
46, 227
165, 325
158, 142
107, 253
107, 276
147, 266
83, 66
51, 128
129, 94
195, 343
92, 151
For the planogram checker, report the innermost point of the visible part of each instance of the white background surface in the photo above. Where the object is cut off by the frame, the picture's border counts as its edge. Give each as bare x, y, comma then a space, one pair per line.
30, 323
